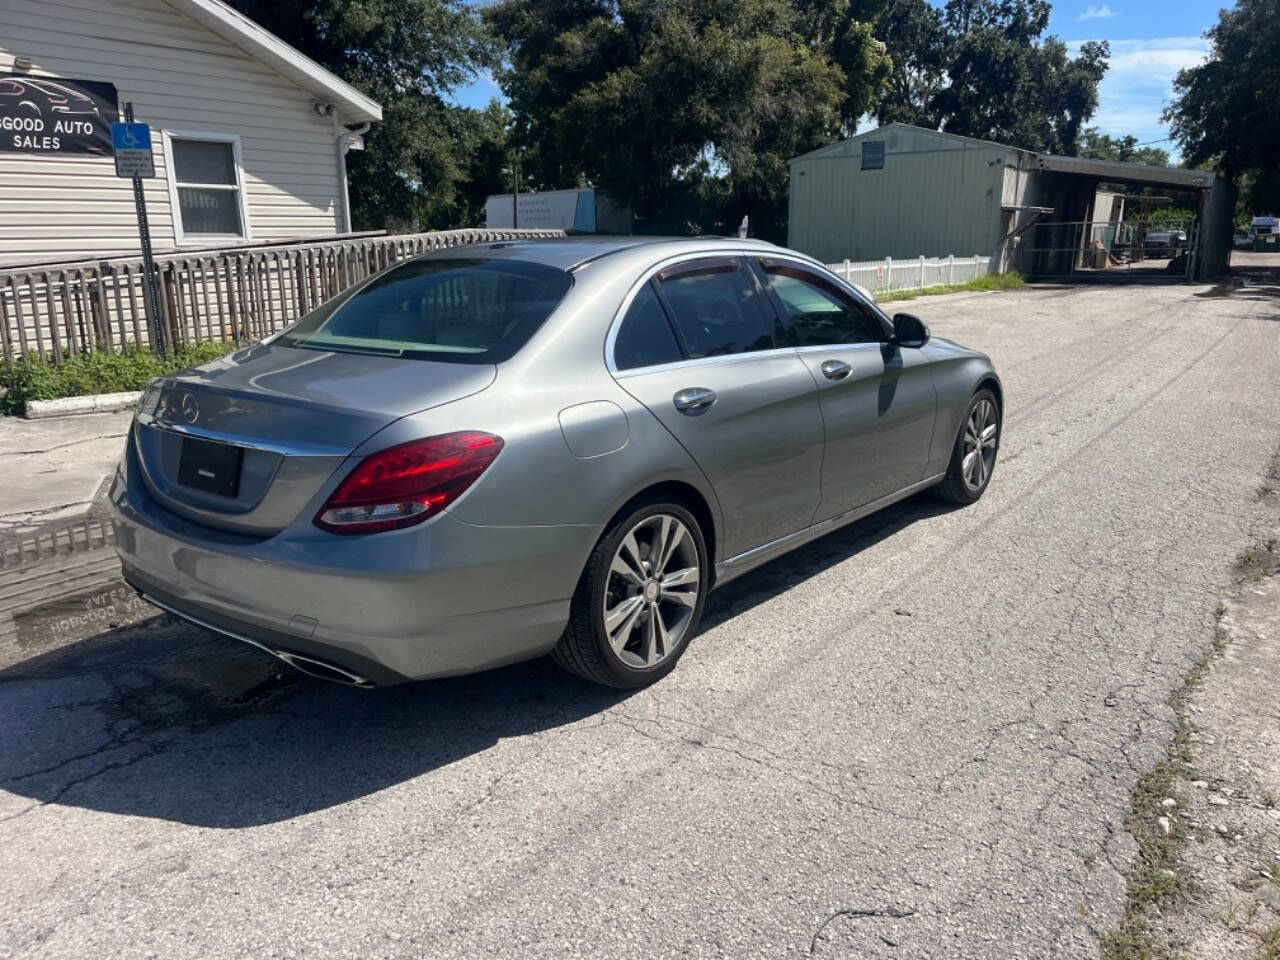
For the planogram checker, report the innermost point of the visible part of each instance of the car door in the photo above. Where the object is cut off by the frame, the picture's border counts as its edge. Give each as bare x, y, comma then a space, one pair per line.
877, 398
696, 348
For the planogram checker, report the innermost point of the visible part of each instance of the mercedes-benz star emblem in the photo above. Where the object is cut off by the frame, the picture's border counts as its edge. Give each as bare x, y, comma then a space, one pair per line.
190, 408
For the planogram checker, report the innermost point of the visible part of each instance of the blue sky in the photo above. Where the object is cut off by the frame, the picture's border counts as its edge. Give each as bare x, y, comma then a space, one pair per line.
1150, 41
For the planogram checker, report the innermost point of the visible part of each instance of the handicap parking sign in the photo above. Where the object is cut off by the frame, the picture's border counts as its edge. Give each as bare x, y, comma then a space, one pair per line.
132, 144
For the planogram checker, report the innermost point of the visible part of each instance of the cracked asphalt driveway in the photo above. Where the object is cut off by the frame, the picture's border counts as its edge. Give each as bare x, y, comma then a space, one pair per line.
915, 737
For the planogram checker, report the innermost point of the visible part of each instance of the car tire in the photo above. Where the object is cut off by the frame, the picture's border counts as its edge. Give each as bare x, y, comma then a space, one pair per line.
966, 480
612, 638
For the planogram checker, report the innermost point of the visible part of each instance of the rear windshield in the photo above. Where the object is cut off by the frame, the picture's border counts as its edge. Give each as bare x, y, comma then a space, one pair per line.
456, 310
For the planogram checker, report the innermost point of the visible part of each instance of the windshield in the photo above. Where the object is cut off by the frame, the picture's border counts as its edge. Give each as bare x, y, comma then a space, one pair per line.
457, 310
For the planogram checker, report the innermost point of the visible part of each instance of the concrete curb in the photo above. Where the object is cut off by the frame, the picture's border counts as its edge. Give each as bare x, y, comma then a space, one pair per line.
73, 406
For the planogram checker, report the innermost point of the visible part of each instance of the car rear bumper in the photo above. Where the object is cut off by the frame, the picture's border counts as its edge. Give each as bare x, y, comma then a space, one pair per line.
440, 599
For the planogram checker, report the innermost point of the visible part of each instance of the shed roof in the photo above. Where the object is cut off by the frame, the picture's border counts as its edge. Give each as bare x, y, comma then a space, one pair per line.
1115, 170
839, 147
265, 47
1102, 169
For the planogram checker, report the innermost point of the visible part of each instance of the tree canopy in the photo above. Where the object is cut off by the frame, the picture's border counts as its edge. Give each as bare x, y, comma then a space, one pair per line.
1224, 112
687, 111
426, 161
985, 69
1100, 146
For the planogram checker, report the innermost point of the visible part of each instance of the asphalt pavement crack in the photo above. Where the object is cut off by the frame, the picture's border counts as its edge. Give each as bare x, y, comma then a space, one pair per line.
62, 446
893, 912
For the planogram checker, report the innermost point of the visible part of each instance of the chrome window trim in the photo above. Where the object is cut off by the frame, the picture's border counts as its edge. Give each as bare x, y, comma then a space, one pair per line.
704, 361
769, 253
828, 347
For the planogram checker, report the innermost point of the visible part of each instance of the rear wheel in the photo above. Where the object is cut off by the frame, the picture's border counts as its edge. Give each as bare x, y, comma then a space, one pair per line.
639, 600
974, 456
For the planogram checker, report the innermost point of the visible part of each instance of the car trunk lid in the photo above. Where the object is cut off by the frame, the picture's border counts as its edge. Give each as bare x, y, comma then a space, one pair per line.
245, 442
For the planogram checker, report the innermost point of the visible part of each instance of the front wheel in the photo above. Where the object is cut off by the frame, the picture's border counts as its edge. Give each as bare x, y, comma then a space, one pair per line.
639, 600
973, 459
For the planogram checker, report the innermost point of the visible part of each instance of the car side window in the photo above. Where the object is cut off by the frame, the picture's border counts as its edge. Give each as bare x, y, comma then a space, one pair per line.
715, 308
645, 337
816, 312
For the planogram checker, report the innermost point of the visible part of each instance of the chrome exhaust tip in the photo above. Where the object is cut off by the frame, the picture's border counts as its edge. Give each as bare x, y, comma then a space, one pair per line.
322, 670
312, 667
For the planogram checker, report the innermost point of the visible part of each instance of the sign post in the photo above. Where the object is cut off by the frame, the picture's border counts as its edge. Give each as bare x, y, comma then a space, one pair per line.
132, 144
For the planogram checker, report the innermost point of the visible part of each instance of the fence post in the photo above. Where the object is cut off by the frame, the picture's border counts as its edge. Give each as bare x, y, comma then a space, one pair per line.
847, 273
951, 268
922, 273
888, 273
977, 258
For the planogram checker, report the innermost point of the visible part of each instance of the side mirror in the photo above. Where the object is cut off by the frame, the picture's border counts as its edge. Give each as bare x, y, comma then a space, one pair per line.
909, 330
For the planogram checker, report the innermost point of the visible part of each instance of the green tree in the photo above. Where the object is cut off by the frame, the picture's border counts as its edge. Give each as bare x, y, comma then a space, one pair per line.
913, 34
688, 111
415, 170
1101, 146
1224, 112
985, 69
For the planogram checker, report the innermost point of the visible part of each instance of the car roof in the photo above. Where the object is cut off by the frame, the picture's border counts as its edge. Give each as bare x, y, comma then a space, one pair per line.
569, 253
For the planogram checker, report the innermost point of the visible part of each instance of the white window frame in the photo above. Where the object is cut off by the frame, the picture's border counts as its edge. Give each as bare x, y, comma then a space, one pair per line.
205, 239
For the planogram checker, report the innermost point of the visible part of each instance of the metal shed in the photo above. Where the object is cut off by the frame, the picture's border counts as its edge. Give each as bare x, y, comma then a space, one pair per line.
904, 191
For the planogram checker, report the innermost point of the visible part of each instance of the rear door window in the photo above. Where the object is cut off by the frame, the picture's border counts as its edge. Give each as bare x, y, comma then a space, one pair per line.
645, 338
715, 308
460, 310
816, 312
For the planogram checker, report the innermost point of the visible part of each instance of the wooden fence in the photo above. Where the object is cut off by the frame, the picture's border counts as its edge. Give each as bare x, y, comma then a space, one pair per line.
235, 295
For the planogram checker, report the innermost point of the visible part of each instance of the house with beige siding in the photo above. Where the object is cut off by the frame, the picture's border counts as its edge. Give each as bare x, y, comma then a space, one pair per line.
249, 136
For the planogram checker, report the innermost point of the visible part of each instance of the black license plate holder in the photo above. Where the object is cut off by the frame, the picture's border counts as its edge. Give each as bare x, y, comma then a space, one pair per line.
210, 466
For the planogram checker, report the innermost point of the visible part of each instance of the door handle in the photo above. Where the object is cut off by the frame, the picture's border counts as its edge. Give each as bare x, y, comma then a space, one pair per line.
836, 369
694, 400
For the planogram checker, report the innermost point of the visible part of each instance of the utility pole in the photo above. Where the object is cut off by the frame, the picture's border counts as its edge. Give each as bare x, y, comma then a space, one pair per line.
514, 171
515, 196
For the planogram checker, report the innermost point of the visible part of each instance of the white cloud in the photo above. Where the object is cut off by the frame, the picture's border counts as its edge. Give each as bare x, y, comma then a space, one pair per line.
1103, 12
1139, 83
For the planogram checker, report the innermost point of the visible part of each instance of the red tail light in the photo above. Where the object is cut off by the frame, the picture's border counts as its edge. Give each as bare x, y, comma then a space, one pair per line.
406, 484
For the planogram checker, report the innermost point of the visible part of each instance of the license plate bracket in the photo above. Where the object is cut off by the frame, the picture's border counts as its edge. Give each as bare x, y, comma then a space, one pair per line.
210, 466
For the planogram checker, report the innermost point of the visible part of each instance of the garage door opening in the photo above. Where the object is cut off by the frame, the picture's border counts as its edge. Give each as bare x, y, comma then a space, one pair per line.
1122, 250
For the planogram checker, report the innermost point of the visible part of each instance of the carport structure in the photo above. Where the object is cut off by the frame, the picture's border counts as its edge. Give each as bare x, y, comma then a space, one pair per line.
1077, 217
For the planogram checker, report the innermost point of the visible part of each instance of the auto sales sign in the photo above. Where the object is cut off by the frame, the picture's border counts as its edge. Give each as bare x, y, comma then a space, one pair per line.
50, 115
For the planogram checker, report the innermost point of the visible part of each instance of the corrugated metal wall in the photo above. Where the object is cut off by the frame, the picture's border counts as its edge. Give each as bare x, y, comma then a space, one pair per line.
926, 203
180, 76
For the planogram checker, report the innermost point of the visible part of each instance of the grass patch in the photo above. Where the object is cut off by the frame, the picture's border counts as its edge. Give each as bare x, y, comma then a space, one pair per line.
1154, 880
1260, 562
992, 281
1270, 944
90, 373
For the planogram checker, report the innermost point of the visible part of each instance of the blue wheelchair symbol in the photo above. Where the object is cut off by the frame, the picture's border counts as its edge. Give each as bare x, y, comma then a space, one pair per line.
131, 136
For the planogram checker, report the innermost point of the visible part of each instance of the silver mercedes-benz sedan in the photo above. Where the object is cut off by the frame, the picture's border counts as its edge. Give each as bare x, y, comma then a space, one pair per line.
491, 453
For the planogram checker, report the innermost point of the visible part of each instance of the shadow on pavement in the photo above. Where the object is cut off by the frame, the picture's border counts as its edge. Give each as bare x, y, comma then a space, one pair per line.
1254, 277
161, 719
787, 571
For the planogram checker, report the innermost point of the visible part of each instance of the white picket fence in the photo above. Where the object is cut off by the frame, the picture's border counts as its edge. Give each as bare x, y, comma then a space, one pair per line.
882, 276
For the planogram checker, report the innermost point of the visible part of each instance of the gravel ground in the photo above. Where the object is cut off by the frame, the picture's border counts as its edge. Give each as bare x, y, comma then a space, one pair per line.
914, 738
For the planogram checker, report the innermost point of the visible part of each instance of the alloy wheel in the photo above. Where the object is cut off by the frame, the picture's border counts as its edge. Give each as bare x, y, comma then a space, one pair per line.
981, 432
652, 591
